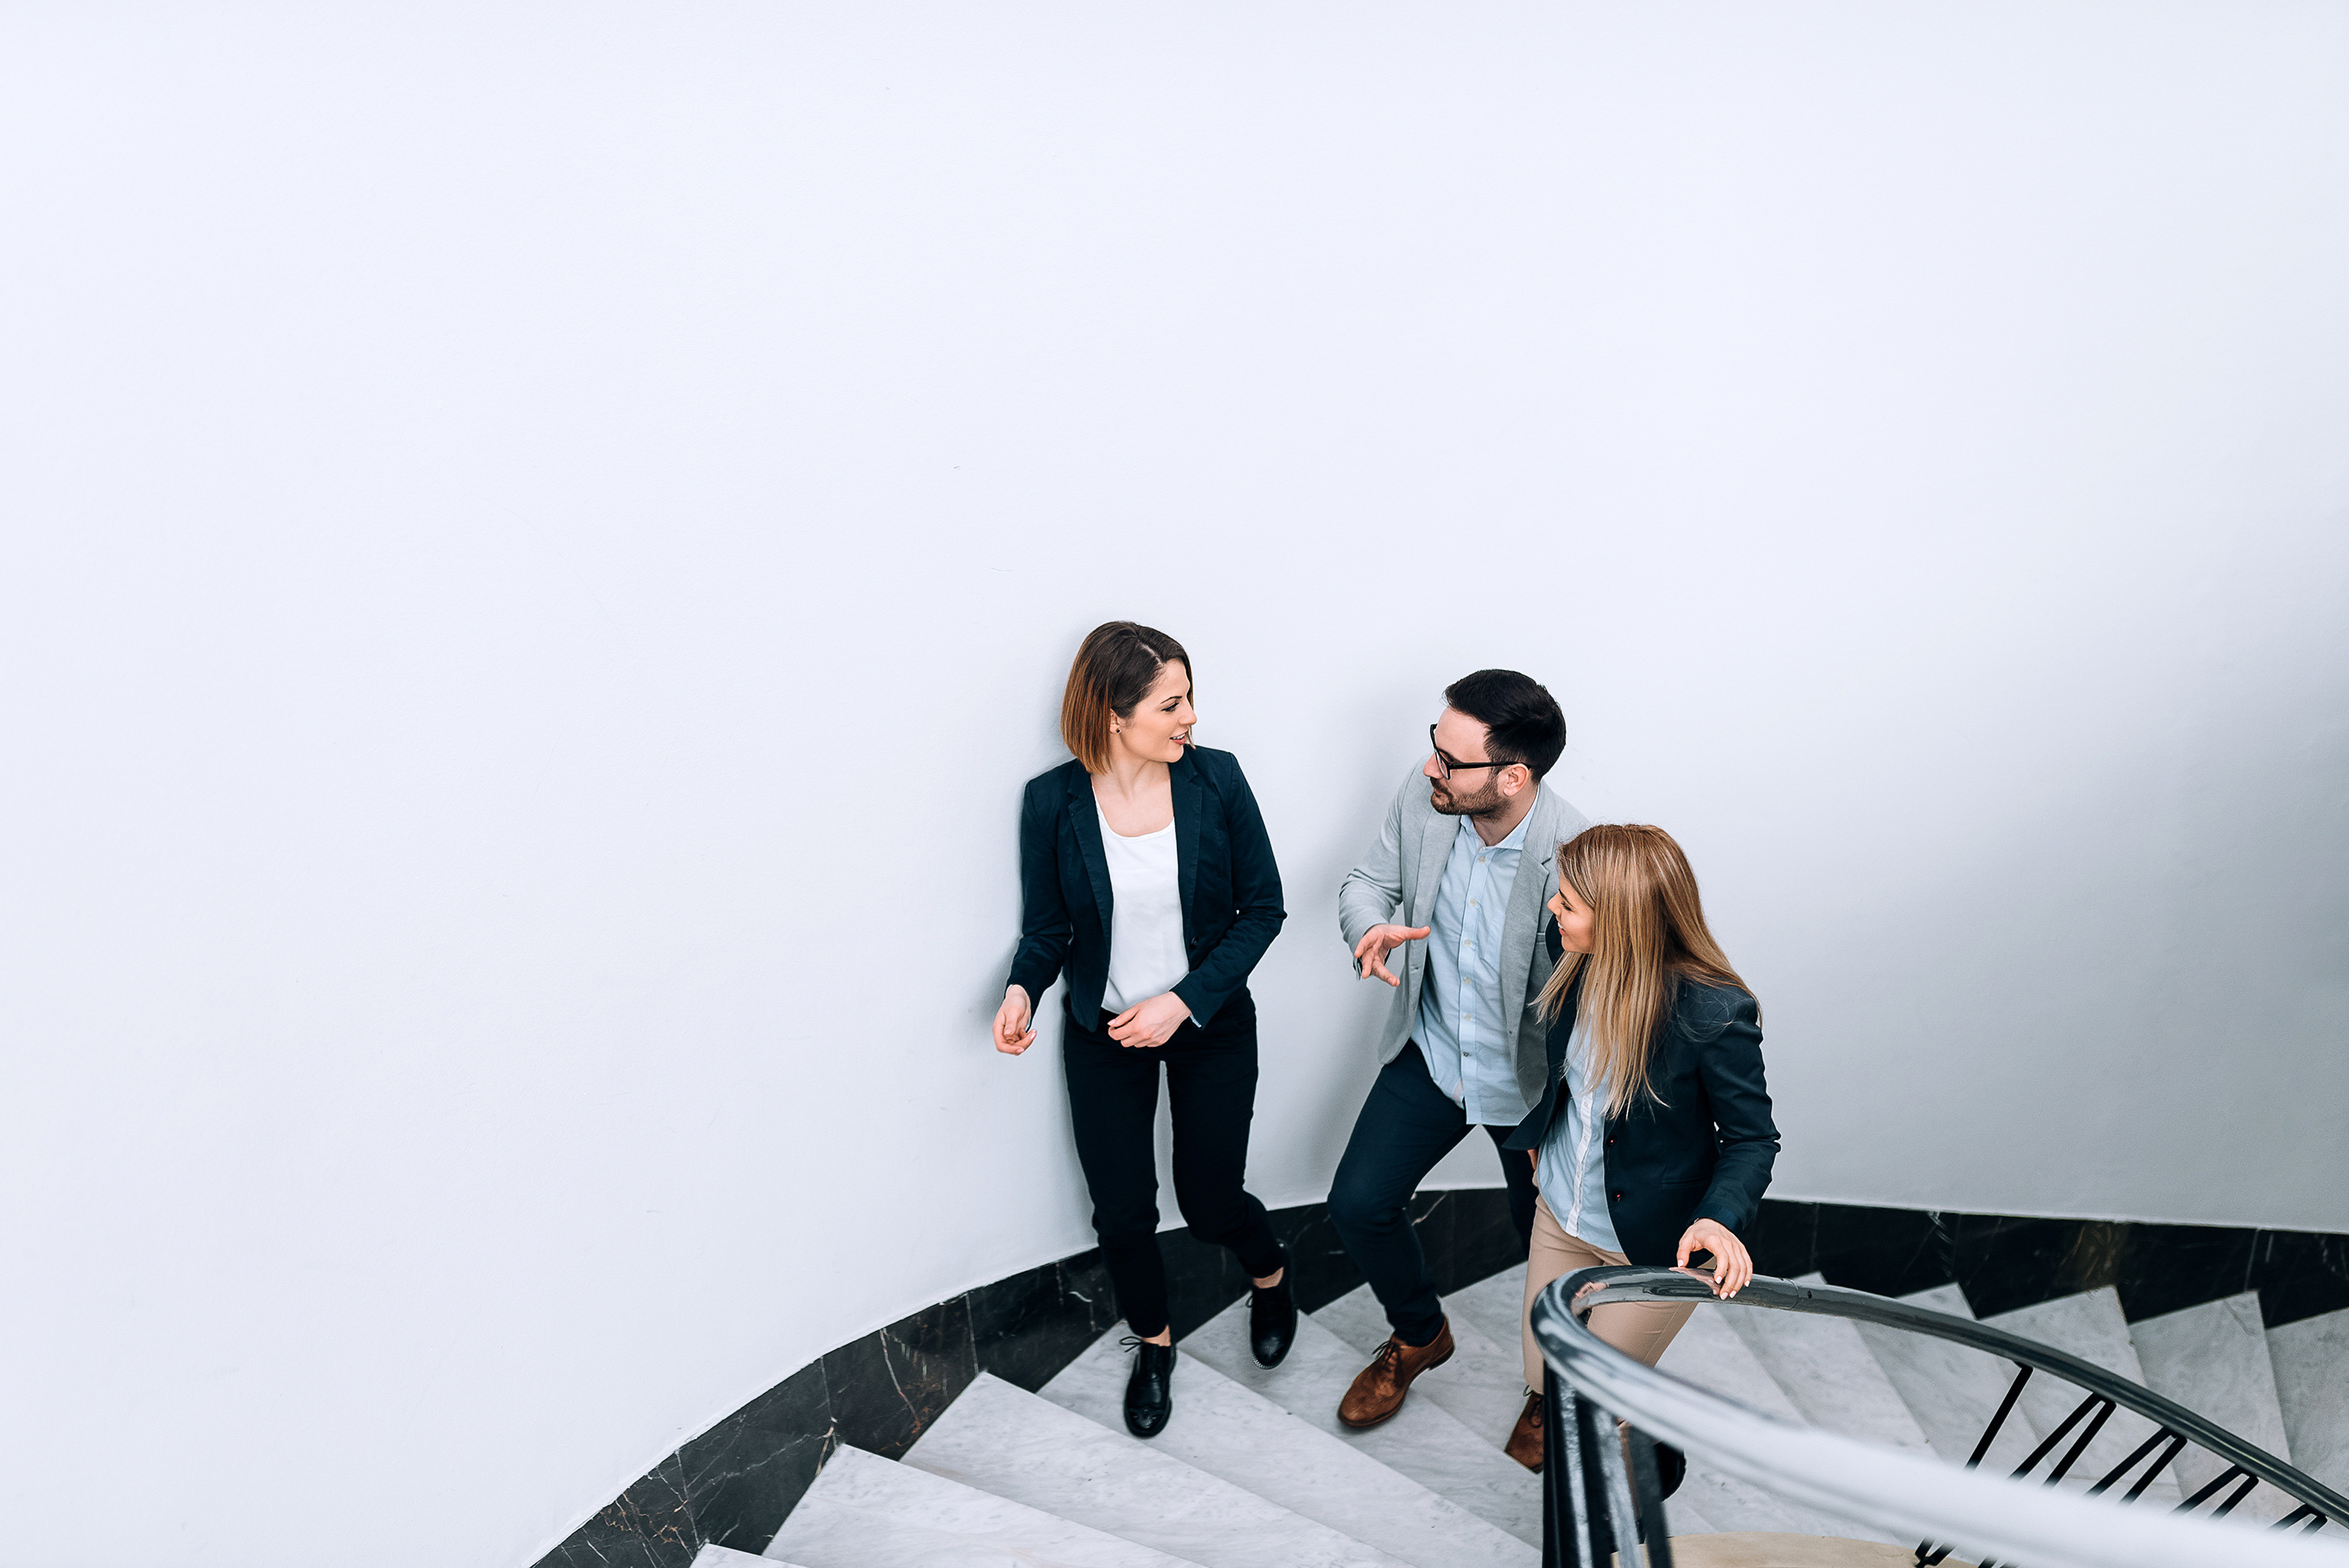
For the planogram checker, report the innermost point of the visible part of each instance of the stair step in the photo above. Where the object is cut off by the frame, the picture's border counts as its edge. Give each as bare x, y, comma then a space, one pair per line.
1828, 1373
1483, 1385
1005, 1440
2213, 1359
2089, 1326
726, 1557
1235, 1434
1422, 1440
1952, 1391
866, 1512
1708, 1352
2311, 1359
1495, 1306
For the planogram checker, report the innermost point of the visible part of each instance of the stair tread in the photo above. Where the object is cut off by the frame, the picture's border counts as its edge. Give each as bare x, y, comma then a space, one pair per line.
2089, 1326
1494, 1304
714, 1556
1422, 1440
1005, 1440
866, 1512
1483, 1385
1709, 1352
2213, 1359
1234, 1433
2310, 1360
1828, 1373
1951, 1389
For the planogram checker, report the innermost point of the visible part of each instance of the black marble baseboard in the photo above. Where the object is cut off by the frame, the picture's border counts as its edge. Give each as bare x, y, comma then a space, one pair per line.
2003, 1261
735, 1484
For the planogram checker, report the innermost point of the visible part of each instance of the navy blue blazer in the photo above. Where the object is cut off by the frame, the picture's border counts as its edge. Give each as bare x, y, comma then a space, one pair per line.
1706, 1153
1231, 888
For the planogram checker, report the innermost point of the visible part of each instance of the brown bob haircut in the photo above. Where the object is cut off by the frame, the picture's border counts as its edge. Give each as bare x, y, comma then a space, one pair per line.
1114, 669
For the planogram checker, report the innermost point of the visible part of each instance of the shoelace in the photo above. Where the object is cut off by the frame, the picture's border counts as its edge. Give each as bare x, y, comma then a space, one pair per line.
1389, 1354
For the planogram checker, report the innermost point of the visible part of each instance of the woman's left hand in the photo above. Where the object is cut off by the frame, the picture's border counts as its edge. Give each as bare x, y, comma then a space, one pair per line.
1732, 1267
1150, 1024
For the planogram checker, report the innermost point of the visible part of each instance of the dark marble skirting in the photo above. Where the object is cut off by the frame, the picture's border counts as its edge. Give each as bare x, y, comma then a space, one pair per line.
734, 1484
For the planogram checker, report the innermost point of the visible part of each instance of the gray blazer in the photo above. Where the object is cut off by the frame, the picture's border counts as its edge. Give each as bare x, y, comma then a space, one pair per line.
1396, 882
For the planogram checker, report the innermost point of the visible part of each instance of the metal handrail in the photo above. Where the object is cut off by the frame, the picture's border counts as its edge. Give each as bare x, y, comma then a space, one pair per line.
2035, 1523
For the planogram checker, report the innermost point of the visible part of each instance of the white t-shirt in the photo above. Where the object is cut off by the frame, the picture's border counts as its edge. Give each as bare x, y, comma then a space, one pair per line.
1145, 918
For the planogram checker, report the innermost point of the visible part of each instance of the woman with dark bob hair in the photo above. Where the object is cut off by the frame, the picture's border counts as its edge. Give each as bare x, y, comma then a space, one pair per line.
1146, 876
1654, 1142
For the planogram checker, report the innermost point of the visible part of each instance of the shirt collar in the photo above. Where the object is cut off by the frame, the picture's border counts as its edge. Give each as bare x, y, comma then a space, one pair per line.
1515, 841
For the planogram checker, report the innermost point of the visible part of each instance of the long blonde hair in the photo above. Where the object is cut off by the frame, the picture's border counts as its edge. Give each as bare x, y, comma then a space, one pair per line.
1649, 938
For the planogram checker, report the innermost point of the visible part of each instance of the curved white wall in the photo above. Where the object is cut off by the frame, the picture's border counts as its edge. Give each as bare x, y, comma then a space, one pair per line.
541, 541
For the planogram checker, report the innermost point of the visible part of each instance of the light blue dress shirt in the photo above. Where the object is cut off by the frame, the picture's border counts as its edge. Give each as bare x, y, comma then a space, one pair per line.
1460, 1018
1572, 1172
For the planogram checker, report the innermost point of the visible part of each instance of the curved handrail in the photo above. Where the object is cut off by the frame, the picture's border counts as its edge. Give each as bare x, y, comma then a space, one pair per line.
1907, 1493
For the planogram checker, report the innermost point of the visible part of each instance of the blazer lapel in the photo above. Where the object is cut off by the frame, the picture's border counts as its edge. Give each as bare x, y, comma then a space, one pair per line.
1435, 849
1183, 778
1084, 816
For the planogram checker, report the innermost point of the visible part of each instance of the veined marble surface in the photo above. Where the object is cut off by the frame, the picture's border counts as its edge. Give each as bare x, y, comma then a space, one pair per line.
726, 1557
1952, 1391
1827, 1372
1014, 1444
1422, 1440
1708, 1352
2311, 1358
1483, 1385
2089, 1326
1232, 1432
864, 1511
1495, 1306
2213, 1359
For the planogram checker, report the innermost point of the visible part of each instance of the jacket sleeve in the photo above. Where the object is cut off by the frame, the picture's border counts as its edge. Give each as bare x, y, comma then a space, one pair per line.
1730, 1065
1256, 897
1374, 888
1044, 925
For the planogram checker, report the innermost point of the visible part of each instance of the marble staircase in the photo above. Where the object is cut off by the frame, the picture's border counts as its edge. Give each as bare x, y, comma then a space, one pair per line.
1254, 1471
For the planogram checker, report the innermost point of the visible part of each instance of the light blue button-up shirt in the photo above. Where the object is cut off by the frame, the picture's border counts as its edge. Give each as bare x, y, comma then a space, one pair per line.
1573, 1169
1460, 1018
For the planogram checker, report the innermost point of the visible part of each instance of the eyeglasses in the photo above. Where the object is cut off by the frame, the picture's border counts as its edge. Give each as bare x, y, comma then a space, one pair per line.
1447, 764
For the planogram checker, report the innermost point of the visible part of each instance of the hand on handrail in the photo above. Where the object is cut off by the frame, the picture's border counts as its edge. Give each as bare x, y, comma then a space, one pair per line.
1732, 1266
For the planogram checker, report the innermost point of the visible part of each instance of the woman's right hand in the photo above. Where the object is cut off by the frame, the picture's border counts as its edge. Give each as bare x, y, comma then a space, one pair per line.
1014, 1032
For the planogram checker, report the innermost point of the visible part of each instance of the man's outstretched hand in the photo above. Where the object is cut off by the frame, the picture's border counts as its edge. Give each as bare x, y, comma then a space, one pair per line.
1370, 951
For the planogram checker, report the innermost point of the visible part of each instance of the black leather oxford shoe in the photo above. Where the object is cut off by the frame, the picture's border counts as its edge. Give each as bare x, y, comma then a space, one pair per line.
1671, 1469
1150, 1391
1272, 1318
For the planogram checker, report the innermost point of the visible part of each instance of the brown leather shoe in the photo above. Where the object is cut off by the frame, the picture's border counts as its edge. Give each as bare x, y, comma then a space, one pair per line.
1378, 1390
1525, 1444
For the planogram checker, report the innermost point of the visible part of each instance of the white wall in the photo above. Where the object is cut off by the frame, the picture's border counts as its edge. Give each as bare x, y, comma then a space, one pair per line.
541, 541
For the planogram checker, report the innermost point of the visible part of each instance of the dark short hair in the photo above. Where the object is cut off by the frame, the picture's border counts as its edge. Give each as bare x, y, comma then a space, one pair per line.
1114, 669
1521, 718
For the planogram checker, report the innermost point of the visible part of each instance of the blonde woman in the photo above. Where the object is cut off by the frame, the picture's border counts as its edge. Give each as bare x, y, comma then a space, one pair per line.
1655, 1141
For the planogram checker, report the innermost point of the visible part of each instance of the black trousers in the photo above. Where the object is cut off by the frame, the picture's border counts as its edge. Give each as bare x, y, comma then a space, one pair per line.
1113, 1099
1406, 1126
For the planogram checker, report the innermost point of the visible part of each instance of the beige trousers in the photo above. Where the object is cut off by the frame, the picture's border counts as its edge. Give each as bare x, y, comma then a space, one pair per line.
1639, 1329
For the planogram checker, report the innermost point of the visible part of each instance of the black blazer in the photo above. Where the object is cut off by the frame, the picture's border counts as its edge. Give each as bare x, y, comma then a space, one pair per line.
1706, 1153
1231, 889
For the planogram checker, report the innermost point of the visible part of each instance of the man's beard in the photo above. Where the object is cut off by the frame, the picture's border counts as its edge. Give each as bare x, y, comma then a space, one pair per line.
1476, 805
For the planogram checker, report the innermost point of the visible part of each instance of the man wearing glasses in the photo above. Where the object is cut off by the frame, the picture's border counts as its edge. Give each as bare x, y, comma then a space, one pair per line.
1464, 860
